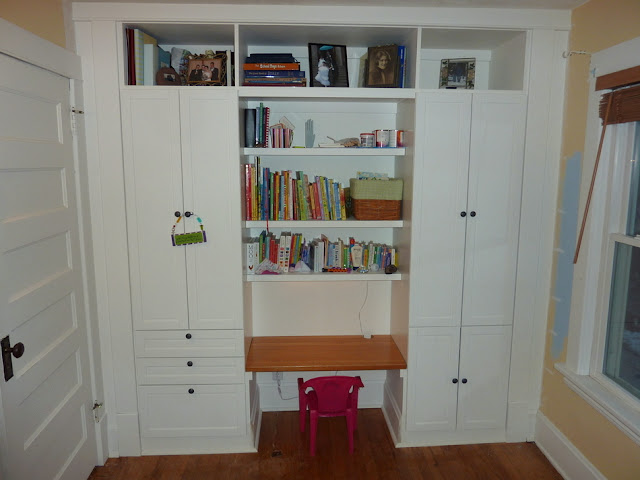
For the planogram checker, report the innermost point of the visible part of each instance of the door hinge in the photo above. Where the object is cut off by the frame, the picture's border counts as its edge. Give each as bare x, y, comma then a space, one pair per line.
74, 125
98, 411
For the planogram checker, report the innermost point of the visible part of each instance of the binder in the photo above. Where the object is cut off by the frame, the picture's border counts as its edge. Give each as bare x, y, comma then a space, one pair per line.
250, 127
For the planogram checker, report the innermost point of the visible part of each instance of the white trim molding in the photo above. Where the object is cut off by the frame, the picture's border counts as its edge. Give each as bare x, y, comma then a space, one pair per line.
623, 414
563, 454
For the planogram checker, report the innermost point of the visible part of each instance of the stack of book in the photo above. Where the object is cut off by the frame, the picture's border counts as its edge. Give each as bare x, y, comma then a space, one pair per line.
273, 70
144, 57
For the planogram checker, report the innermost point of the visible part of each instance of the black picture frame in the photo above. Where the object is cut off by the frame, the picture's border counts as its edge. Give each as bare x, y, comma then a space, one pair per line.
328, 65
383, 67
458, 73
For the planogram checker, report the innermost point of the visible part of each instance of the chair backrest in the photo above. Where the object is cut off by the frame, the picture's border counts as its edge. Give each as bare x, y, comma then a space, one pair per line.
333, 393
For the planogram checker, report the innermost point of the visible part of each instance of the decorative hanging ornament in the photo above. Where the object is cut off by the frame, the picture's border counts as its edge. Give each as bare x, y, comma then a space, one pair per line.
180, 239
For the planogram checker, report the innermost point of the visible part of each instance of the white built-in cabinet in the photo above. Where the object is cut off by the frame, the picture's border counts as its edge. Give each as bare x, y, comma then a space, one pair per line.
177, 322
186, 300
467, 189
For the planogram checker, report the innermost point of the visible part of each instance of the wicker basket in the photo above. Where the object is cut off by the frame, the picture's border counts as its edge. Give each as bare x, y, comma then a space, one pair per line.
376, 199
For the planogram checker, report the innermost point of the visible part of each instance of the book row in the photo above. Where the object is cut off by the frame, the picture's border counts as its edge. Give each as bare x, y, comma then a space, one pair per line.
289, 195
273, 70
293, 253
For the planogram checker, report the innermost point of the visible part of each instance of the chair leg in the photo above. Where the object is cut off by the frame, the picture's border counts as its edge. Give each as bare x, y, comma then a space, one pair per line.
313, 429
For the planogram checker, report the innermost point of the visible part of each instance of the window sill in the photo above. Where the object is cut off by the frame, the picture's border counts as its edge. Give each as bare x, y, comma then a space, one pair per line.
615, 408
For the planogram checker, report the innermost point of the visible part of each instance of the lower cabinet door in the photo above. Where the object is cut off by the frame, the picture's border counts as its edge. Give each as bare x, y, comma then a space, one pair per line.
483, 388
192, 410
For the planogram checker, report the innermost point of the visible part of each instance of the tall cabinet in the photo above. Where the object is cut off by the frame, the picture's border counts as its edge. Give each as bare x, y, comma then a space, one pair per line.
467, 306
468, 189
186, 300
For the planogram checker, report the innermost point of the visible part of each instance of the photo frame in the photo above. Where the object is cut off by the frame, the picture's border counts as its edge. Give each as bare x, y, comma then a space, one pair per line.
167, 76
207, 70
383, 67
458, 73
328, 65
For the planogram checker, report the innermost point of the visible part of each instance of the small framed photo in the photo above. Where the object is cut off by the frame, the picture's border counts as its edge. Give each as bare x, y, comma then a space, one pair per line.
207, 70
458, 73
328, 65
167, 76
382, 66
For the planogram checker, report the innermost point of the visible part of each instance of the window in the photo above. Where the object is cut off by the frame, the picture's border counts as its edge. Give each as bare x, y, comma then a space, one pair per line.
621, 356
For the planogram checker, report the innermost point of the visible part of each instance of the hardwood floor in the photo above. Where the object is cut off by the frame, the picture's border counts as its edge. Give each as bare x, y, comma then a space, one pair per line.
283, 453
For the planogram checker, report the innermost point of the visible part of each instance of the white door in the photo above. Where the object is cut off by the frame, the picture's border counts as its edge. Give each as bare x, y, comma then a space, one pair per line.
493, 208
484, 377
46, 405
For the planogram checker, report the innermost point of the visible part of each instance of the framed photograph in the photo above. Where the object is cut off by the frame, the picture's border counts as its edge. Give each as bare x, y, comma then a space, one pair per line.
458, 73
167, 76
328, 65
210, 70
382, 66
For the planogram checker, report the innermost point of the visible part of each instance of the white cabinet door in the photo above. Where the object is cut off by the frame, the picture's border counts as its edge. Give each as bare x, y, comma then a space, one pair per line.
493, 208
433, 367
468, 186
153, 176
440, 195
458, 378
483, 377
179, 148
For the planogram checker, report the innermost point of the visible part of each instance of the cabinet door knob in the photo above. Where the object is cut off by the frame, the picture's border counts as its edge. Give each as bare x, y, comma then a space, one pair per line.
455, 380
187, 214
464, 380
473, 214
463, 214
189, 363
191, 390
178, 214
188, 335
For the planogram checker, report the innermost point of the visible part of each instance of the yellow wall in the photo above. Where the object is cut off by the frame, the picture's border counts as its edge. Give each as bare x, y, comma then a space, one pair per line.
596, 25
43, 17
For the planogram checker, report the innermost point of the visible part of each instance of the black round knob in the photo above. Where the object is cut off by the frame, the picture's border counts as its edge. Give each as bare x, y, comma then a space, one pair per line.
455, 380
187, 214
473, 214
188, 335
191, 390
464, 380
178, 214
189, 363
17, 350
463, 214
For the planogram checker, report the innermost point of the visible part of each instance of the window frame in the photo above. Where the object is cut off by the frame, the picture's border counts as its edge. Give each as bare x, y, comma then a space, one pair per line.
589, 313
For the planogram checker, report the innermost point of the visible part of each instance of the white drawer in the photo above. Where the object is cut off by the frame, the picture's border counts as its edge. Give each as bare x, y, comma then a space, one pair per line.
210, 411
189, 343
195, 371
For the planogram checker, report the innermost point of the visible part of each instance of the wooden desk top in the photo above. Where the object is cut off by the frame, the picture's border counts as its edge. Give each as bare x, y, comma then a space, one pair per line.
319, 353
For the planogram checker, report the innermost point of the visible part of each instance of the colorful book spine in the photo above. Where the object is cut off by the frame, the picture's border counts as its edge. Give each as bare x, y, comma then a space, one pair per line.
274, 74
271, 66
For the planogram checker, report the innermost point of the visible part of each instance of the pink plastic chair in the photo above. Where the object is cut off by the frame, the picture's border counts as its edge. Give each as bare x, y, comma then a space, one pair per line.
335, 396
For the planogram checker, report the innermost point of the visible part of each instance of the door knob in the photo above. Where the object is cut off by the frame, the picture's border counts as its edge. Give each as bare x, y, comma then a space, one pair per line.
473, 214
463, 214
455, 380
464, 380
187, 214
7, 351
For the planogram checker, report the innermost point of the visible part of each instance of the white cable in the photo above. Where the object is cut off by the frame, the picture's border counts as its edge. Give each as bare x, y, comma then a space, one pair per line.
364, 302
280, 392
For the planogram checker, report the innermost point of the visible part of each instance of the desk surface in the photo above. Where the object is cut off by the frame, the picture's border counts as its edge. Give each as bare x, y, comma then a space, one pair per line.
319, 353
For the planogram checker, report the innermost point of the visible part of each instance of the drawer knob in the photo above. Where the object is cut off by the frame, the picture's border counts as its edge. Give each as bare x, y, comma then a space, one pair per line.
188, 335
189, 363
191, 390
464, 380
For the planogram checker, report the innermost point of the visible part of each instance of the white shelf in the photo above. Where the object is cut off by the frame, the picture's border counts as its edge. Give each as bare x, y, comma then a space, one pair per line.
325, 224
325, 277
266, 93
326, 152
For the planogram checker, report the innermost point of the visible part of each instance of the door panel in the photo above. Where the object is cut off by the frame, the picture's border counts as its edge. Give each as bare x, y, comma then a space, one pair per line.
495, 183
153, 177
485, 354
439, 235
47, 403
211, 189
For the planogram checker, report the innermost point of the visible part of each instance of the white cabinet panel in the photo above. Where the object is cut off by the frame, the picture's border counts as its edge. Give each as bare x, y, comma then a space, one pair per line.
191, 343
194, 371
484, 364
432, 369
178, 150
192, 411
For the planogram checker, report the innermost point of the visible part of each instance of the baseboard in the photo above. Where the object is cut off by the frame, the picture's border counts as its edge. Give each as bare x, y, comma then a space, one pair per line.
562, 454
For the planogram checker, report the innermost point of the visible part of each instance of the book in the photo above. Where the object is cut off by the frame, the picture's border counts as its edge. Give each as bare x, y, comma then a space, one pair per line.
251, 256
164, 58
401, 65
267, 80
131, 56
270, 57
250, 127
150, 64
138, 50
274, 74
271, 66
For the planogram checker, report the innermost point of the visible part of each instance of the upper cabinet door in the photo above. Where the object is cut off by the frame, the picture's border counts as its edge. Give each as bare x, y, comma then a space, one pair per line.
209, 128
493, 208
440, 197
153, 182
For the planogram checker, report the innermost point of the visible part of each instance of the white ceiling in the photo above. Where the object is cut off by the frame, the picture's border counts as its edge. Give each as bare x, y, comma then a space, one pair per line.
549, 4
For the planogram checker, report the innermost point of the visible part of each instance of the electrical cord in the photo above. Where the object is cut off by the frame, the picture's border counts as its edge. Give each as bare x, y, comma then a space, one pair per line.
280, 392
364, 302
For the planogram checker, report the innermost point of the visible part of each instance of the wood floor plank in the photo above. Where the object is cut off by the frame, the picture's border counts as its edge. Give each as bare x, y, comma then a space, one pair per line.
283, 453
